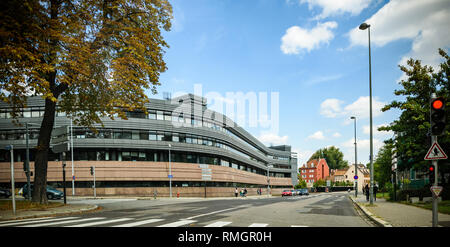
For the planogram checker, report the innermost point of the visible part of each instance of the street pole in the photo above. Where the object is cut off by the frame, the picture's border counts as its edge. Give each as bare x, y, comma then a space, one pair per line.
63, 155
71, 156
27, 161
13, 189
364, 26
170, 174
95, 189
268, 179
435, 198
356, 163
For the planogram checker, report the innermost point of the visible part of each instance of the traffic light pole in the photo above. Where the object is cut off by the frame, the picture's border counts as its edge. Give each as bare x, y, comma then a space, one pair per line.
435, 198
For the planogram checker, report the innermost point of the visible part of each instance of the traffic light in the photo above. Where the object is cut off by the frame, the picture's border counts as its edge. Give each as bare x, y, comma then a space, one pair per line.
431, 174
437, 116
92, 170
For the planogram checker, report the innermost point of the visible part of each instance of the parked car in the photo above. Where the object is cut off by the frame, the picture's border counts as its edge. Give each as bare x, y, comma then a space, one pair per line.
286, 193
304, 192
52, 193
6, 193
298, 192
293, 192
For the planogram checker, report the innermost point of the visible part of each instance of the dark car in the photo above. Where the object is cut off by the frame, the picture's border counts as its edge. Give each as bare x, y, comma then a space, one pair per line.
304, 192
6, 193
52, 193
286, 193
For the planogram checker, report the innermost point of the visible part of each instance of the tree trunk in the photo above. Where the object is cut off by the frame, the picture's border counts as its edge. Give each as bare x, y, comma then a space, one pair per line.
42, 149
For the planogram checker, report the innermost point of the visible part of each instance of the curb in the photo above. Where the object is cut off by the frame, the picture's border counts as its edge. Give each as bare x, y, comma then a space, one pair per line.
377, 221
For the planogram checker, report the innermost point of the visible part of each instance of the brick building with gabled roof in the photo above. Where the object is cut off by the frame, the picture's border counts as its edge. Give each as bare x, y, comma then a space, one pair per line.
314, 170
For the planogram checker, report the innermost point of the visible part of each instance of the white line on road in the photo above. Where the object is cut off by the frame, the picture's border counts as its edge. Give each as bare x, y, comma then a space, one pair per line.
140, 223
178, 223
219, 224
101, 222
36, 221
258, 225
215, 212
65, 222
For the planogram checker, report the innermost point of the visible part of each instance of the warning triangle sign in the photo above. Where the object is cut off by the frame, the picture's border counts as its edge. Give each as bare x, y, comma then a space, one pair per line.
435, 153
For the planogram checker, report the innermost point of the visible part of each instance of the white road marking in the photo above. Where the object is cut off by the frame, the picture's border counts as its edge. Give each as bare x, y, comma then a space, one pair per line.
65, 222
258, 225
139, 223
101, 222
178, 223
23, 222
219, 224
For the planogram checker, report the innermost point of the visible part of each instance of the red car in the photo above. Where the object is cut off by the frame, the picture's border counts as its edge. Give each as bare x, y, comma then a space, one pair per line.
286, 193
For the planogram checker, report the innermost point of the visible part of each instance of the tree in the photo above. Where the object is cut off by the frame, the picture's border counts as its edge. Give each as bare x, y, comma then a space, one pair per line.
383, 165
412, 138
90, 59
301, 183
333, 156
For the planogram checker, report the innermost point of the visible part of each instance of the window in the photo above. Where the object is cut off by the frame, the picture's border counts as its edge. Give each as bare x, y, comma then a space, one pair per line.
175, 137
143, 135
159, 115
152, 136
151, 114
167, 116
159, 136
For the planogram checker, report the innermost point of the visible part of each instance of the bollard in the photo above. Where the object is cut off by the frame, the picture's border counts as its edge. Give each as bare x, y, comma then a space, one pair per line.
178, 194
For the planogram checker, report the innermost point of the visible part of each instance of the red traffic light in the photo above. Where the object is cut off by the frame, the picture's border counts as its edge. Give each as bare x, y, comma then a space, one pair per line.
437, 104
431, 168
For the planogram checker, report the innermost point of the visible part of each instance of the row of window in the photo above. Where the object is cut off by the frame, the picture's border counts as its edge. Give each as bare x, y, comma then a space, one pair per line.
145, 155
147, 184
152, 114
136, 135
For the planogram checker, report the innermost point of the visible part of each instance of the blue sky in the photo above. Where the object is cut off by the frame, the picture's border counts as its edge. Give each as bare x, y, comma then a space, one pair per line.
310, 53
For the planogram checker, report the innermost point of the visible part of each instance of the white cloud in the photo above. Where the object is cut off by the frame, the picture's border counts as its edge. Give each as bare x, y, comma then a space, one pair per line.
273, 139
318, 135
298, 39
333, 108
337, 135
423, 22
363, 149
337, 7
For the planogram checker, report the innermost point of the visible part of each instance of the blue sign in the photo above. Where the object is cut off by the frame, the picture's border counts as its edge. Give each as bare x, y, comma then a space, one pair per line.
170, 176
355, 177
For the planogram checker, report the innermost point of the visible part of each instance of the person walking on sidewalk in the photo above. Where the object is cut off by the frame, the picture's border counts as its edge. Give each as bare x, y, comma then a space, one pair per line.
366, 189
235, 192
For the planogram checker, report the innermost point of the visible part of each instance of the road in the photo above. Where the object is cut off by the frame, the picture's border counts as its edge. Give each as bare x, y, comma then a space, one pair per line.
315, 210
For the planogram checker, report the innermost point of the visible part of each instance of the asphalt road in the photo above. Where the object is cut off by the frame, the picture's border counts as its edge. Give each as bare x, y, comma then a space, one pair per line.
316, 210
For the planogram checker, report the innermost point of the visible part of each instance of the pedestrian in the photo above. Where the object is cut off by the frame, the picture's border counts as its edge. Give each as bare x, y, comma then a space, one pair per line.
375, 190
245, 192
366, 189
235, 192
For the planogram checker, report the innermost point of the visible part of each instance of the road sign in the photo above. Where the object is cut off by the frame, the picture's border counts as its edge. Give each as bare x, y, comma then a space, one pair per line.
63, 130
435, 153
62, 147
436, 190
355, 177
170, 176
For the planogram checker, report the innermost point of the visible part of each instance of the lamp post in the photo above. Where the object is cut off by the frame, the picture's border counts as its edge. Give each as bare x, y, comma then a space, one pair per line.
170, 173
356, 162
268, 179
365, 26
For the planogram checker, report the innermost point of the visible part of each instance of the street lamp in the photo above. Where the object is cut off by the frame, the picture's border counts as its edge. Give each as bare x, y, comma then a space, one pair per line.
365, 26
356, 163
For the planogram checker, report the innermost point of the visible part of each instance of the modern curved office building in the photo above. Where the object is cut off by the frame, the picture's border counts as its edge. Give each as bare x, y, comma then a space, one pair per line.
209, 154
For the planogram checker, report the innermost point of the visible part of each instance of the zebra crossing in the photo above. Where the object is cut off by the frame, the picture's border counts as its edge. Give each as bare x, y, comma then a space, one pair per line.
75, 221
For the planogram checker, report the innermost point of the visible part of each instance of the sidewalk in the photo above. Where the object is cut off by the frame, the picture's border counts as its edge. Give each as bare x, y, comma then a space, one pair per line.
392, 214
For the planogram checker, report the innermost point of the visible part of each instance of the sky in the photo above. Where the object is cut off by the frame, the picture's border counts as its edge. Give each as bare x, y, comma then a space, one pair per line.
305, 61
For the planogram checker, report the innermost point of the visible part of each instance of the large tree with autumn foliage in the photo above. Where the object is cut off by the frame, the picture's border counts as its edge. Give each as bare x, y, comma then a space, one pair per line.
91, 58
